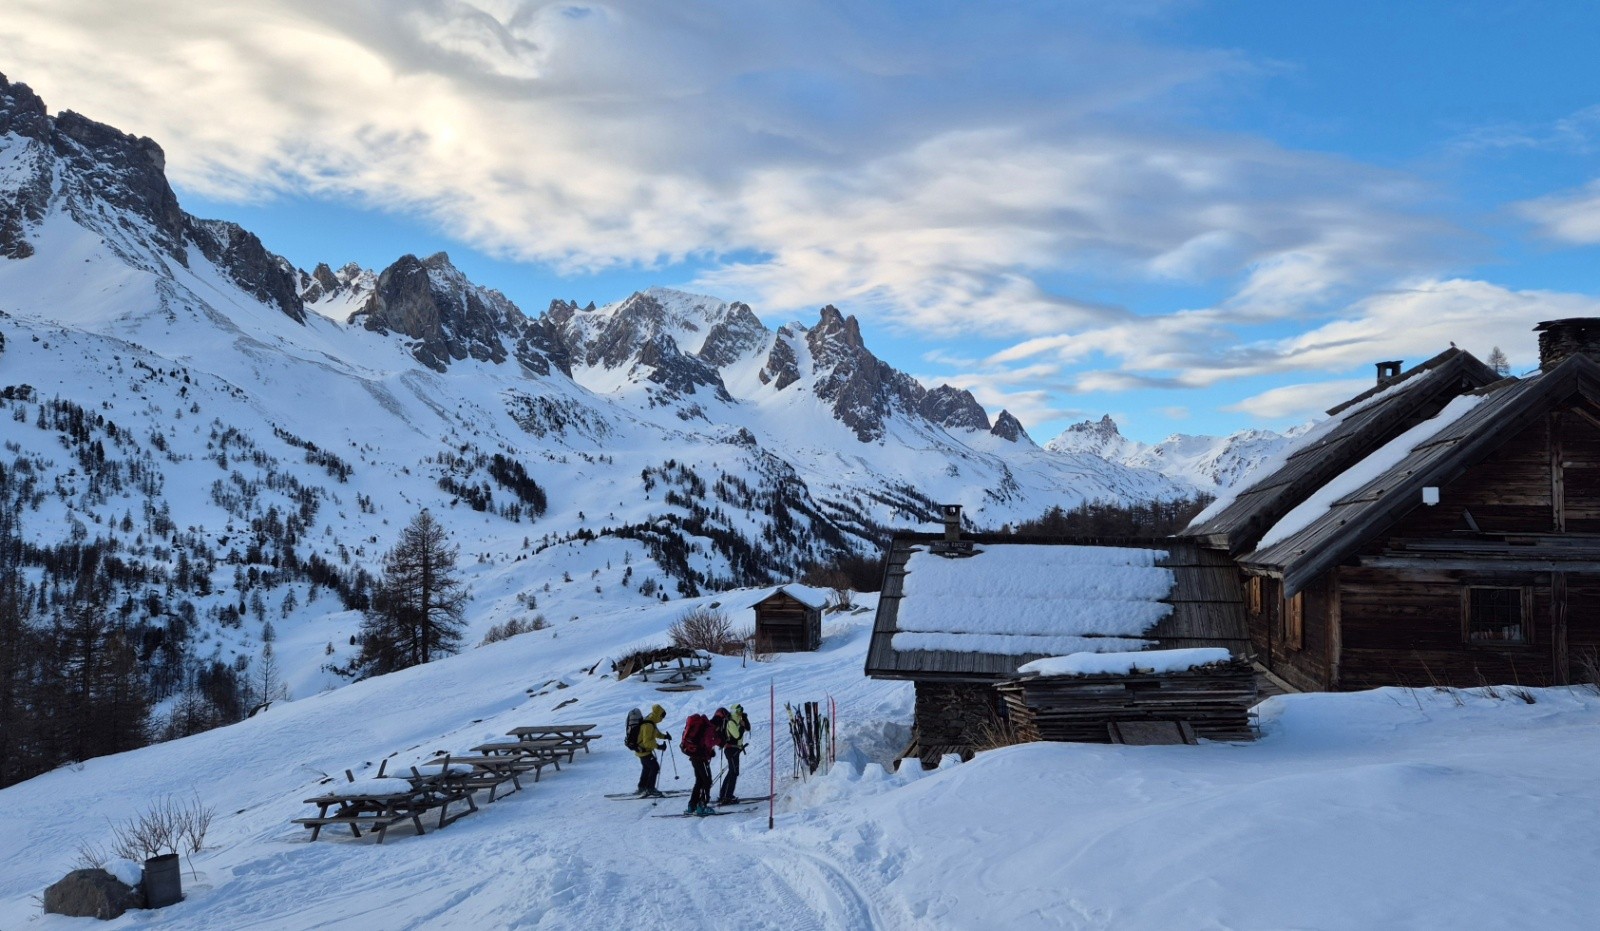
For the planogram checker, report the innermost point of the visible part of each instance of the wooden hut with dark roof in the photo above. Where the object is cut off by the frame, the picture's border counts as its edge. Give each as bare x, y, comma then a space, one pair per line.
1464, 549
789, 620
959, 614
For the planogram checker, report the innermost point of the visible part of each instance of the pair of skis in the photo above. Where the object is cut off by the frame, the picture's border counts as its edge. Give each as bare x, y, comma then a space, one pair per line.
711, 814
676, 793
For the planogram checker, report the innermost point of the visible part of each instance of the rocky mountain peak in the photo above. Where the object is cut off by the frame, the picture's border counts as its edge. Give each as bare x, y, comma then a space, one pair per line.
862, 389
267, 277
954, 408
1097, 437
1008, 427
115, 184
21, 111
448, 317
325, 284
738, 333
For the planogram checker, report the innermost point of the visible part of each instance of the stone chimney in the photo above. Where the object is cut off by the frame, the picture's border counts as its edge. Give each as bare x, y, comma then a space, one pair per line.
952, 522
1560, 339
1388, 372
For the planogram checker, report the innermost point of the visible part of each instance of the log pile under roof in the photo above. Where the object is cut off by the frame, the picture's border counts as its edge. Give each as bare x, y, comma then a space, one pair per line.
1214, 700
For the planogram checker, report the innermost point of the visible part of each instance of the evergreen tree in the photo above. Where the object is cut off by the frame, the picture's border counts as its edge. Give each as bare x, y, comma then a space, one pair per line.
418, 604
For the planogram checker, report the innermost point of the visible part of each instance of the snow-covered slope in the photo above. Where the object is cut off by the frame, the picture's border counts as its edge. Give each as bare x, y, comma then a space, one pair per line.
1387, 809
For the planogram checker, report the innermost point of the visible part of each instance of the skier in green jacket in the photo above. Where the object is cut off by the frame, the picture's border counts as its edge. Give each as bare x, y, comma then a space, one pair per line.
734, 727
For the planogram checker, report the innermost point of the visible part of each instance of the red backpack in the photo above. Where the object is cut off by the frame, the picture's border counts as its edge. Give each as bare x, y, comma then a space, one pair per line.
694, 741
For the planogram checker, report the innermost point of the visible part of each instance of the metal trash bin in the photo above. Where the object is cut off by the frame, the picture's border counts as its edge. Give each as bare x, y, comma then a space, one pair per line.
163, 883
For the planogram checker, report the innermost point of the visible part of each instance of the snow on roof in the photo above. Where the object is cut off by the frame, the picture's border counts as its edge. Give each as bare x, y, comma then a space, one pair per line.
1115, 664
1027, 598
805, 594
1382, 460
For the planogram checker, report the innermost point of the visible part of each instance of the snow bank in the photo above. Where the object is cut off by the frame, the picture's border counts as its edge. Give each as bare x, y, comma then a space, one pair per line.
1144, 661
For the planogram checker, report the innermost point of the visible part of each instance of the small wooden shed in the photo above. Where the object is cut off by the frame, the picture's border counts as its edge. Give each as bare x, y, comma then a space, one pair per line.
789, 620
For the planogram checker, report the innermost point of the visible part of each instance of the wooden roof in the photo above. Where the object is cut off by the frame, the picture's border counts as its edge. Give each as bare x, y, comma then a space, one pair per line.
808, 597
1356, 518
1365, 422
1206, 602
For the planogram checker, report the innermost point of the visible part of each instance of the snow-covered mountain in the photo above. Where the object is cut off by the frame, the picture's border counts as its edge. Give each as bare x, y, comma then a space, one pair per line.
247, 438
1205, 463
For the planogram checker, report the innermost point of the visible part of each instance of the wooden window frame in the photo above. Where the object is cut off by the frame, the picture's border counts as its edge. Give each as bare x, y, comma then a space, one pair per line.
1293, 620
1252, 595
1524, 602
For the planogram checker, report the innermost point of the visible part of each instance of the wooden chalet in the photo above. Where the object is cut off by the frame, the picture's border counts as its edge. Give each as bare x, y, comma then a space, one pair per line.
1442, 529
959, 615
789, 620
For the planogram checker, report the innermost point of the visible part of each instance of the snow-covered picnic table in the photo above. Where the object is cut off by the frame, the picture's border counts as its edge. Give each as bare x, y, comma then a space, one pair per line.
371, 803
502, 761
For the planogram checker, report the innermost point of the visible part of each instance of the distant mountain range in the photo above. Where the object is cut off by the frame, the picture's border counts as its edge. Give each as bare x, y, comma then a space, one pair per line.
1206, 463
241, 430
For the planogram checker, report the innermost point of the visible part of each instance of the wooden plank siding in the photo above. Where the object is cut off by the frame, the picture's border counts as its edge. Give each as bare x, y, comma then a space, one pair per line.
784, 624
1396, 613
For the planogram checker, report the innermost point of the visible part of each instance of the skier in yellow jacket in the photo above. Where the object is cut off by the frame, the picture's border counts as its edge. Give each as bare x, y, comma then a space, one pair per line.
651, 740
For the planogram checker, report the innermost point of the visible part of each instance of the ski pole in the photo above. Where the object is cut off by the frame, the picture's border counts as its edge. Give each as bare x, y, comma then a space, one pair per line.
674, 758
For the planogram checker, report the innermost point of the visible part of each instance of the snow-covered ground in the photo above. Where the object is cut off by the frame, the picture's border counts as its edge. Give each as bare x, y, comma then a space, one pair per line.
1385, 809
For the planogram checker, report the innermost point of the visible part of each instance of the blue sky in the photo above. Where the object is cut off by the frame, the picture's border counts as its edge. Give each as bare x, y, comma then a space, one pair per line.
1196, 216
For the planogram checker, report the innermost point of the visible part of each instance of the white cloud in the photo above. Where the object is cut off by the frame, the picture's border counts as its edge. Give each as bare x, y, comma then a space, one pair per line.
1571, 216
1303, 400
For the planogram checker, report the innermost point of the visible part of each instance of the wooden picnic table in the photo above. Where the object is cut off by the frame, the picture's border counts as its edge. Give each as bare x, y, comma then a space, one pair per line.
502, 762
569, 737
375, 804
679, 669
441, 783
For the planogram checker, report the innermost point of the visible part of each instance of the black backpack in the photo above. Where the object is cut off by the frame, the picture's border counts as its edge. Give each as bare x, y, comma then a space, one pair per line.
635, 719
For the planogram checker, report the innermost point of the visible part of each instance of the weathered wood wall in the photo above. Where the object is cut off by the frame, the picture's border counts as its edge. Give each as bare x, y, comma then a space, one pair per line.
1407, 628
1367, 626
784, 625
